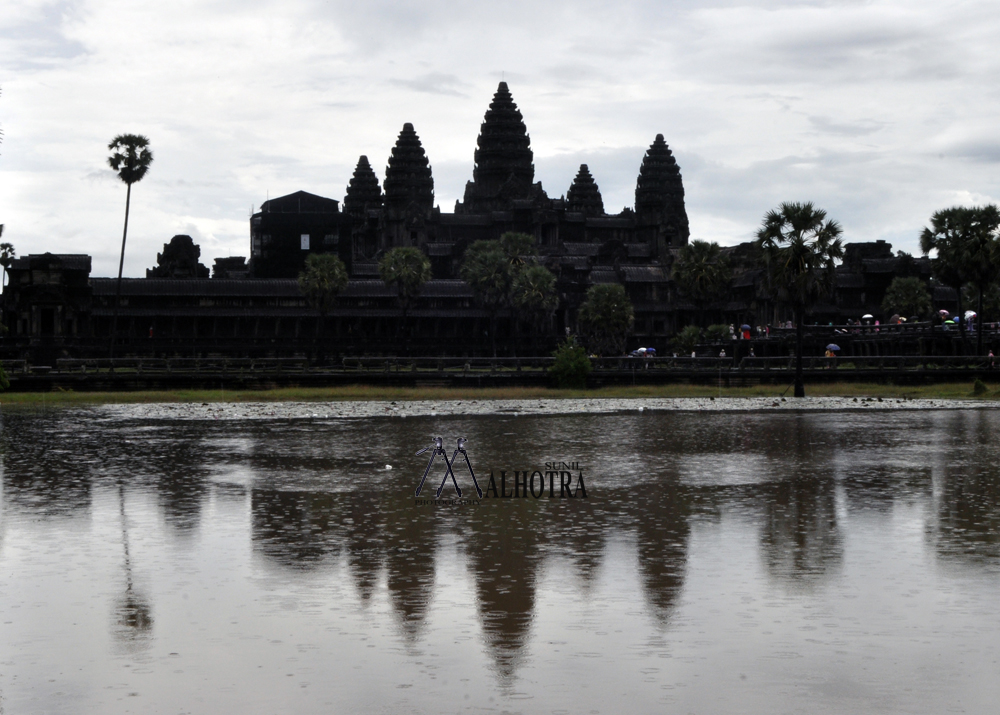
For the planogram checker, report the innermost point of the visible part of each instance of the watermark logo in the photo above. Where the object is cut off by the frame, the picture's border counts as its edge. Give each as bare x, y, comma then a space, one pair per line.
558, 477
437, 448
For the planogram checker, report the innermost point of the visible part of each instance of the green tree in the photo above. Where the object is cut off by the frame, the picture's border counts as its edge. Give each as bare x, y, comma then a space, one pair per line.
982, 258
605, 318
407, 269
131, 157
571, 365
718, 333
323, 279
799, 248
907, 296
702, 272
687, 340
7, 254
533, 293
964, 240
487, 270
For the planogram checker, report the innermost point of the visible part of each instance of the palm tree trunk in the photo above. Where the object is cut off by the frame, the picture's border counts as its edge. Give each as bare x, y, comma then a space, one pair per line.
493, 331
961, 320
121, 265
979, 323
800, 388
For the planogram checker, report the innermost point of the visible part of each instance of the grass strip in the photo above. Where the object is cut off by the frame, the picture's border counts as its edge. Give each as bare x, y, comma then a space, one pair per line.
944, 391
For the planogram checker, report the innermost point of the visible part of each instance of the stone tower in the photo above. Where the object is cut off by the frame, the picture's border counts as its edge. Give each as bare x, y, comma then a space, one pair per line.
409, 191
584, 195
362, 202
408, 180
504, 170
363, 193
659, 197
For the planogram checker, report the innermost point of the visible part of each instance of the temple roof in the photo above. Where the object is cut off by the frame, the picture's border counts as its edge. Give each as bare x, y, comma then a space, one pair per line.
408, 176
300, 202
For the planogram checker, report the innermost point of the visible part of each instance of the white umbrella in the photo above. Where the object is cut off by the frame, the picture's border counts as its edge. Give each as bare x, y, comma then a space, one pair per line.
970, 314
867, 316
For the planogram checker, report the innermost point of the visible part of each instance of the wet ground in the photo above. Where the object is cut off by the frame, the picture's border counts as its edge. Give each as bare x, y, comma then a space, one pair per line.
729, 556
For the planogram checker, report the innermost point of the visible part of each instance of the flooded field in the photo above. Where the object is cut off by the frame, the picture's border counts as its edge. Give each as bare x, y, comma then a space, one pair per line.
169, 561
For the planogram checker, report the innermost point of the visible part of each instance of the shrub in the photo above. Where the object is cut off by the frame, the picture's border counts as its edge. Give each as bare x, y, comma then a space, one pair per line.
687, 340
979, 388
571, 366
718, 333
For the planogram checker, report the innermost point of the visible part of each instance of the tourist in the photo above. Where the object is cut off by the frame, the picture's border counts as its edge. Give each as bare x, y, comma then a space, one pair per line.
722, 353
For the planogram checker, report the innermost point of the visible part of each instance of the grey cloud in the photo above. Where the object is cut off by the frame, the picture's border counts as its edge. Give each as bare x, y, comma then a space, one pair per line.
41, 42
432, 83
850, 129
986, 151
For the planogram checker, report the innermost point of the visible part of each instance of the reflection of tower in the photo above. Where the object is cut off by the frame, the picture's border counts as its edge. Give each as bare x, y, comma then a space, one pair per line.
800, 539
411, 546
504, 556
365, 547
133, 616
662, 537
296, 529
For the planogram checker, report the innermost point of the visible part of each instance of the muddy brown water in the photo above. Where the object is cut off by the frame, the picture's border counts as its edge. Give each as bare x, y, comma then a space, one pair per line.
821, 562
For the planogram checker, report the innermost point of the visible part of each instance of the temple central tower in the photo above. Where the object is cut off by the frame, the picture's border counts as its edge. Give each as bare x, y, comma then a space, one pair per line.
504, 169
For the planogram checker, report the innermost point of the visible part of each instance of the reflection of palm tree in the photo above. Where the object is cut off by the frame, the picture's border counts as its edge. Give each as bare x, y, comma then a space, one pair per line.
133, 615
968, 513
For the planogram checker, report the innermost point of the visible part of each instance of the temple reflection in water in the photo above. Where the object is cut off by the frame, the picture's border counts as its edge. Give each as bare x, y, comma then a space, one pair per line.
321, 504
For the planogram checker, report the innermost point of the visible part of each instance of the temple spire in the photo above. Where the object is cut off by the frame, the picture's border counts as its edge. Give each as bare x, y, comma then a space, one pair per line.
584, 195
659, 193
408, 179
363, 193
504, 170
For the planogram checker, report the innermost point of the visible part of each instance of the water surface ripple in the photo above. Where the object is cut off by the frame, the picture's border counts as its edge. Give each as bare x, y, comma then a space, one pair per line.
722, 562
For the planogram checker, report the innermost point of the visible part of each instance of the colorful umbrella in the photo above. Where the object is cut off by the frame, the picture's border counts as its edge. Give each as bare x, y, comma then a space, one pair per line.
832, 346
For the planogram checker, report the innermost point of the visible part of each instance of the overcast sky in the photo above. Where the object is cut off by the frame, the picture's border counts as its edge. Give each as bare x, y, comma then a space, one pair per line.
879, 111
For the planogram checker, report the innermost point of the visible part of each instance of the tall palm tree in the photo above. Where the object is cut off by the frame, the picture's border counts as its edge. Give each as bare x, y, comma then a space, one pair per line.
407, 268
799, 248
968, 251
701, 272
487, 270
324, 278
533, 292
131, 157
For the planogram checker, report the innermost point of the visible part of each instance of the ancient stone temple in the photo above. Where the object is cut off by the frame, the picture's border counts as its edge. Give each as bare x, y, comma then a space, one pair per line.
574, 234
256, 307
